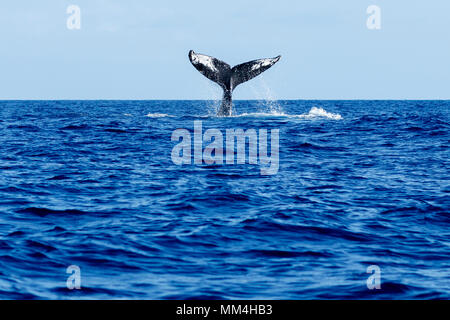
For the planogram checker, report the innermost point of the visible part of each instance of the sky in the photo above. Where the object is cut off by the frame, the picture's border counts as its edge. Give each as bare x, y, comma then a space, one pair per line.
138, 49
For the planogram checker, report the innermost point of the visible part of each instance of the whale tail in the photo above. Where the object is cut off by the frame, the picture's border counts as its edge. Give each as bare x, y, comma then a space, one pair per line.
229, 78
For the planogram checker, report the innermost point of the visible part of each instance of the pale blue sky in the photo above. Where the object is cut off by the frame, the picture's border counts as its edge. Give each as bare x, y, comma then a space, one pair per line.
138, 49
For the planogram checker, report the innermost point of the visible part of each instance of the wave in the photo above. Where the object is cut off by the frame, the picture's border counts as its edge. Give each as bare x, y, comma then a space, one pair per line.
42, 212
320, 112
313, 113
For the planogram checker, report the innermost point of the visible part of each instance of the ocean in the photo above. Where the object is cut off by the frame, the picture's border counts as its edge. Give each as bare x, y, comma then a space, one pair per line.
92, 205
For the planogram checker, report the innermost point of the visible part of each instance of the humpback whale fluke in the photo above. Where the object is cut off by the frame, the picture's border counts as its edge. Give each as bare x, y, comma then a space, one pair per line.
229, 78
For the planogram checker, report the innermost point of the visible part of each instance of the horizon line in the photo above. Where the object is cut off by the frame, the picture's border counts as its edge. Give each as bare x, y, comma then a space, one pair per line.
310, 99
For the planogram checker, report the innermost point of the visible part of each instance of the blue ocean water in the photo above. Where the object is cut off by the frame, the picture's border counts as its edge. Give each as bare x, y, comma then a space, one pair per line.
92, 184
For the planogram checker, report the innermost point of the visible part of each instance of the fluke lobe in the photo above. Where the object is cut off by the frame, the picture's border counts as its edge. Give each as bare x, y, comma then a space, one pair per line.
229, 78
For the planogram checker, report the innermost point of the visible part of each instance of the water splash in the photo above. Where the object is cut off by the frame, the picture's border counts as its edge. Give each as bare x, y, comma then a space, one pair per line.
215, 94
268, 103
321, 113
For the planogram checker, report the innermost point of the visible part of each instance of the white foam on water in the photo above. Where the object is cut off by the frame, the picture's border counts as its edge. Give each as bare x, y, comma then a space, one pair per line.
321, 113
261, 114
314, 113
158, 115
